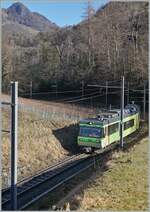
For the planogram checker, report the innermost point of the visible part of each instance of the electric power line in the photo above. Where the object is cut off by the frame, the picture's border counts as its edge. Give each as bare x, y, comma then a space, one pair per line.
54, 92
81, 99
76, 97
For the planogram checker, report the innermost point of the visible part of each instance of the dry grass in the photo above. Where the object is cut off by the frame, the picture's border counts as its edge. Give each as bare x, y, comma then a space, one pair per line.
53, 109
123, 187
38, 145
47, 133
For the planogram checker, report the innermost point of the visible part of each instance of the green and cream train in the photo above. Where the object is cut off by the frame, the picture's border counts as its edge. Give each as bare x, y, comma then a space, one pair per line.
103, 130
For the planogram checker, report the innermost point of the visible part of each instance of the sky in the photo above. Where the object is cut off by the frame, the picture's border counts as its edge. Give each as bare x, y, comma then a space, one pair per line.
61, 12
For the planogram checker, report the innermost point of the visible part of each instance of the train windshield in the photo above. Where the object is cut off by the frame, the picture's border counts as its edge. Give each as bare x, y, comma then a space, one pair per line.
90, 132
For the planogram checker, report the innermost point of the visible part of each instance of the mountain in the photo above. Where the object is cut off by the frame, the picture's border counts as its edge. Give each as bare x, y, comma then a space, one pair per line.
113, 42
18, 13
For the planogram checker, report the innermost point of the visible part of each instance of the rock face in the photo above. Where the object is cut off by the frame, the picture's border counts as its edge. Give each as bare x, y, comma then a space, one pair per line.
18, 13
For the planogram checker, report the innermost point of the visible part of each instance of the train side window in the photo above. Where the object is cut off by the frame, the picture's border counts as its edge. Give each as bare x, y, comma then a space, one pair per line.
113, 128
128, 124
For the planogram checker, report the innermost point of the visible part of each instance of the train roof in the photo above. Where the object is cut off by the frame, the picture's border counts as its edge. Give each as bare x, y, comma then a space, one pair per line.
111, 116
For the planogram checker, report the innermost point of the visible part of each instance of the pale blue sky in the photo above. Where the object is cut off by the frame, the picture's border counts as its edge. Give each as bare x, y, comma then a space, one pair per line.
61, 12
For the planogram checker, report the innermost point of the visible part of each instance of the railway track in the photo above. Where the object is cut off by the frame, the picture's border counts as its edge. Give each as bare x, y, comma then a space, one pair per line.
29, 191
32, 182
34, 188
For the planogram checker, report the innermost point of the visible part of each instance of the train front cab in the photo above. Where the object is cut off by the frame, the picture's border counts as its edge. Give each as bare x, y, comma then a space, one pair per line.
98, 136
90, 136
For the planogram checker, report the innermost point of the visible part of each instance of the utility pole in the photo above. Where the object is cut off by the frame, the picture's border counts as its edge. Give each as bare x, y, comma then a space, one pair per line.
9, 174
144, 101
91, 102
122, 113
128, 93
56, 90
31, 84
14, 126
106, 93
82, 88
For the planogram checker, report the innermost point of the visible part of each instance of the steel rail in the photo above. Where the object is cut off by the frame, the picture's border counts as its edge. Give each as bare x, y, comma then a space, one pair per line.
44, 170
34, 181
75, 170
52, 178
56, 165
37, 181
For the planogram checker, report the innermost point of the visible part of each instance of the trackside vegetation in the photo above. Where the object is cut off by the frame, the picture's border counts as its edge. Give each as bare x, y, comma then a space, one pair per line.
41, 143
123, 187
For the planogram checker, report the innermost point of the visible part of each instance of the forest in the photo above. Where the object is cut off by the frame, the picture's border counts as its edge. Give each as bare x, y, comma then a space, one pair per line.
108, 43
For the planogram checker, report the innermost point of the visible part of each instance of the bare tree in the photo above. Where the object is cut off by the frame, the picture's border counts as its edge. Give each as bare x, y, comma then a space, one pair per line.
89, 12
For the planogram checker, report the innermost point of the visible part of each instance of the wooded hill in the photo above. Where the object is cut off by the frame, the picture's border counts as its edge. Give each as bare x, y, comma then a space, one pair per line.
106, 44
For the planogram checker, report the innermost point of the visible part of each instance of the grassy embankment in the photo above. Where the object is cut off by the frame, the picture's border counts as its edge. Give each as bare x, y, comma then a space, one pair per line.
123, 187
47, 132
41, 143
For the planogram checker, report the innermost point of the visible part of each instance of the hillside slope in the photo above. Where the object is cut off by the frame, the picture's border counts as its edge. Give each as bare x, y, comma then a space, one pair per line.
41, 143
113, 42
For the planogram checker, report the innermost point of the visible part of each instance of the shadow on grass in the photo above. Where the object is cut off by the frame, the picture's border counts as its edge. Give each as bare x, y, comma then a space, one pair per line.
56, 202
67, 137
86, 179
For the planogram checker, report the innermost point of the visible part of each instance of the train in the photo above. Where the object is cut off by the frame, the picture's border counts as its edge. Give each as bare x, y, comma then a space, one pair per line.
104, 129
